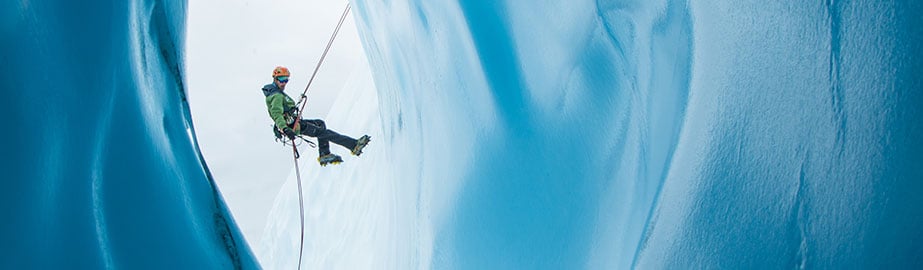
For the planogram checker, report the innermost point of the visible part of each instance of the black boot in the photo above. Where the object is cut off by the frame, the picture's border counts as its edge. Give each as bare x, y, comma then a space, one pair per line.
329, 159
361, 143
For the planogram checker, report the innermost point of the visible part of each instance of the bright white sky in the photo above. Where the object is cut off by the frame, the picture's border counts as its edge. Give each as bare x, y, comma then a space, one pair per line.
231, 48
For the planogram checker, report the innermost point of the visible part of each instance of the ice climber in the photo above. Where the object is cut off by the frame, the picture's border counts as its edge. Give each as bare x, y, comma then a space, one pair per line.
283, 111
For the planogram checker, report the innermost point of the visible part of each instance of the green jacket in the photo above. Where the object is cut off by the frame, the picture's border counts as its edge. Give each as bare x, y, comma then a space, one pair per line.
281, 107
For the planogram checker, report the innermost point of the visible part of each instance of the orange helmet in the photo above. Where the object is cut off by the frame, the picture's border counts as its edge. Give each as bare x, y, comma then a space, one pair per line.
280, 71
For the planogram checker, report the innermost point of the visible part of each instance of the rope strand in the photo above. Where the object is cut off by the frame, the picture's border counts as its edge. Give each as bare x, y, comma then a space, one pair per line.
323, 56
298, 116
300, 203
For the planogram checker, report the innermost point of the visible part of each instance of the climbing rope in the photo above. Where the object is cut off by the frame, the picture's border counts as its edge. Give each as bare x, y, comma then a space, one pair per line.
322, 57
287, 142
300, 203
298, 116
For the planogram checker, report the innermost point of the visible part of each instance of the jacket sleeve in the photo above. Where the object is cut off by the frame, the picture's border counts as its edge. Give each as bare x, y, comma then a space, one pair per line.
277, 110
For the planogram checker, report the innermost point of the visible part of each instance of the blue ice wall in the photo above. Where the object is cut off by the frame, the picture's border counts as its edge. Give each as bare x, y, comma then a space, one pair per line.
558, 135
655, 134
100, 166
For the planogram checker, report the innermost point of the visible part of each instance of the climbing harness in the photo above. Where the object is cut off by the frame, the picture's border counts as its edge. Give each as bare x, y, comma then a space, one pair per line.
297, 117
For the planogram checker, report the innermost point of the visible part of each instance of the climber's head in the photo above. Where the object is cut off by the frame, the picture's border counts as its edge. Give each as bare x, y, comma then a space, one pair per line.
280, 76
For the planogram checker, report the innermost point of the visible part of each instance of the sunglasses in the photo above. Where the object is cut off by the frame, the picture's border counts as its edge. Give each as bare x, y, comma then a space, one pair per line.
282, 79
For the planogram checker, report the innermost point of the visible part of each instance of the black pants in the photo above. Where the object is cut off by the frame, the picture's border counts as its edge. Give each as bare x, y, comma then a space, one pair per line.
318, 129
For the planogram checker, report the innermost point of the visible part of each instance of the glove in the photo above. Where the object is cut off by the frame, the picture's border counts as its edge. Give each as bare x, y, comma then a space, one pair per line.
277, 133
289, 133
